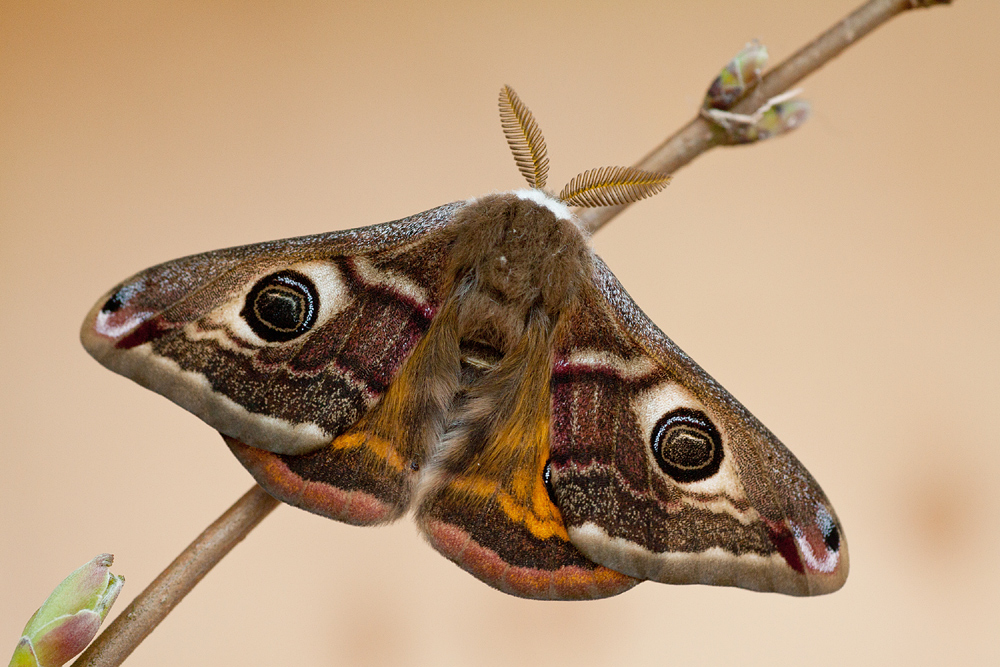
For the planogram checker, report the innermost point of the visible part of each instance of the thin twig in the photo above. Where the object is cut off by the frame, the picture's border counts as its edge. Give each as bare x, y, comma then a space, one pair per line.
699, 135
151, 606
147, 610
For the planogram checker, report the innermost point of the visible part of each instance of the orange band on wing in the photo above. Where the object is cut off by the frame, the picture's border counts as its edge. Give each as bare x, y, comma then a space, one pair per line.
380, 447
536, 513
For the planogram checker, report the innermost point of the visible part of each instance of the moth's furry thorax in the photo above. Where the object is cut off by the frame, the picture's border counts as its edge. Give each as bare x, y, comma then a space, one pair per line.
512, 256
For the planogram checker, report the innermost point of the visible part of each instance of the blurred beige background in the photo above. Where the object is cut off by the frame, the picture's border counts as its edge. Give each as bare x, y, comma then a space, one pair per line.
843, 282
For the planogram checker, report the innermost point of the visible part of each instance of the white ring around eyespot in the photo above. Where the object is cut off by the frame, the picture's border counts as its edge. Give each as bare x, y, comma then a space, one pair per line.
325, 276
651, 406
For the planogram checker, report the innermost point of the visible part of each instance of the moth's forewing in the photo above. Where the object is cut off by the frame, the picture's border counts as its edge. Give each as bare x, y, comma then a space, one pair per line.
661, 474
368, 297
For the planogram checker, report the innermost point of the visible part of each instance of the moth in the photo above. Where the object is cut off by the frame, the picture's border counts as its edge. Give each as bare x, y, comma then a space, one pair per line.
478, 365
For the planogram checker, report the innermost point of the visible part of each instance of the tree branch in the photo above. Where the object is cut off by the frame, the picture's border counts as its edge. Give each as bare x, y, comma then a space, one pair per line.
699, 135
152, 605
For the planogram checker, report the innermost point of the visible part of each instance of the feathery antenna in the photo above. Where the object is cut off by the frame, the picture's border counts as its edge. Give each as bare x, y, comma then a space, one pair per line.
612, 186
607, 186
524, 138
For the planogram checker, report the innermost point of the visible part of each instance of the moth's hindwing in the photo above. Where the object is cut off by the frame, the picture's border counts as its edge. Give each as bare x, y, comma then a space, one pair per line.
284, 346
487, 506
659, 473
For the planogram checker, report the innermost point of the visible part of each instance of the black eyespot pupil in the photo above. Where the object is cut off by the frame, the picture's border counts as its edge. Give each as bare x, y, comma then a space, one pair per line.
281, 306
687, 446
